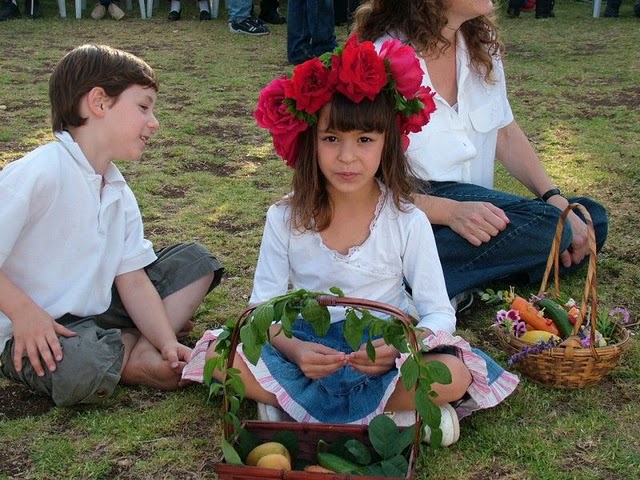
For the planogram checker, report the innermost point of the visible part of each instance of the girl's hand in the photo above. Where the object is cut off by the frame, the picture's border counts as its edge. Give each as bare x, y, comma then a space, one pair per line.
477, 222
37, 337
317, 361
385, 359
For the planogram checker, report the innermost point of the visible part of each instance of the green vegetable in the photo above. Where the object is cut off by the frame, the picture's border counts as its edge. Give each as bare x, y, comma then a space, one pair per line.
336, 463
558, 314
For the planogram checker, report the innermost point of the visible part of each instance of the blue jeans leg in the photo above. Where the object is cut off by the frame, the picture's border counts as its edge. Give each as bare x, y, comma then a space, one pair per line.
310, 29
519, 253
238, 9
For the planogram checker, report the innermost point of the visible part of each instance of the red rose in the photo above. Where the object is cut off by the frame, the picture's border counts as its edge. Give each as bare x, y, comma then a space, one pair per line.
359, 71
273, 114
272, 111
405, 67
286, 147
310, 86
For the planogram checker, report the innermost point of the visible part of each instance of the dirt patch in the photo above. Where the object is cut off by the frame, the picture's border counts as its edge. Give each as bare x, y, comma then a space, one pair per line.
230, 225
19, 402
218, 169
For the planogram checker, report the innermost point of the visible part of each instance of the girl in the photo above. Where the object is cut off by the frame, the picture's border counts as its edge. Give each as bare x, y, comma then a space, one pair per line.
349, 223
482, 234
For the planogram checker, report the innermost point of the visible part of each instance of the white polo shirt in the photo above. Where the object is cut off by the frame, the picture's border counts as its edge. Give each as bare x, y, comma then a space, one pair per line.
63, 239
459, 143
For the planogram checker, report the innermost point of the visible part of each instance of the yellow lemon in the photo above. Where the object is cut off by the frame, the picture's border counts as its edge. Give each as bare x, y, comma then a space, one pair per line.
274, 460
265, 449
537, 336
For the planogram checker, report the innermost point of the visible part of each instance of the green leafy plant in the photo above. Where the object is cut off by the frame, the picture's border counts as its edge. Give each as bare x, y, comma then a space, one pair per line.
387, 457
253, 329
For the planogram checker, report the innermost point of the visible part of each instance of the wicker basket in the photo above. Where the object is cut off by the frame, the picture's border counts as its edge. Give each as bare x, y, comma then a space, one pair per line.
308, 434
569, 365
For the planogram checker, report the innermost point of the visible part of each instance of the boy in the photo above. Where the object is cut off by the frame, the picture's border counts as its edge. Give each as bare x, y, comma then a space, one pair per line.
85, 302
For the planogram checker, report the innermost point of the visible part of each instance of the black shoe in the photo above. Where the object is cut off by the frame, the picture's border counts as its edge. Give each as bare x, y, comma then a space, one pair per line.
9, 10
37, 12
611, 14
174, 16
249, 26
636, 9
205, 15
513, 12
272, 17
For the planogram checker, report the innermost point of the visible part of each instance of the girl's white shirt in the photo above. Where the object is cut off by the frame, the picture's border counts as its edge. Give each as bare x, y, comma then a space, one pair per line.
459, 142
400, 245
64, 236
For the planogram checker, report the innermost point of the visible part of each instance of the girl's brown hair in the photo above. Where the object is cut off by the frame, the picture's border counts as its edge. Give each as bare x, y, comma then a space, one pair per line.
89, 66
310, 203
422, 23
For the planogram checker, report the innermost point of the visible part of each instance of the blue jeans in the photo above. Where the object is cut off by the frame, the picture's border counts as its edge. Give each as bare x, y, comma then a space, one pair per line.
310, 29
517, 254
239, 9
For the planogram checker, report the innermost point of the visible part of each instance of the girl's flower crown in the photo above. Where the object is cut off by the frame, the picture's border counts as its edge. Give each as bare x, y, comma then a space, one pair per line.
287, 107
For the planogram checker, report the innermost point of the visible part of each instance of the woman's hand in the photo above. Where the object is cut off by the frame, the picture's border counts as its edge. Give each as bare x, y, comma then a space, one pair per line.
477, 222
385, 358
579, 247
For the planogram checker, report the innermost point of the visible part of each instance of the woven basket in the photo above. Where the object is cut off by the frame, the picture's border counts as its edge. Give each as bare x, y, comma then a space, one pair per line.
308, 434
569, 365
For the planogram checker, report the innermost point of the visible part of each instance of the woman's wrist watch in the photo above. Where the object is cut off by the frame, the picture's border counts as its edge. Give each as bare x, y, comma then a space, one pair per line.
550, 193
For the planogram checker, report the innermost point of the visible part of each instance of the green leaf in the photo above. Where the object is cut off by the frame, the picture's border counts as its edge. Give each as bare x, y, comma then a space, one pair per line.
396, 466
317, 315
374, 470
383, 433
289, 440
405, 439
237, 385
250, 345
371, 350
230, 454
245, 442
359, 451
428, 410
263, 317
439, 372
336, 291
352, 330
209, 367
409, 372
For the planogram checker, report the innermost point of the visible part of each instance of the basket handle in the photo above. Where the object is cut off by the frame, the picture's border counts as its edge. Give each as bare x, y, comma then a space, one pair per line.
335, 301
590, 287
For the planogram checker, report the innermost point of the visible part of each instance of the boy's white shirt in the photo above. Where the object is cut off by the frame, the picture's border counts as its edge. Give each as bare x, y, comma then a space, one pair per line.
401, 244
459, 144
63, 239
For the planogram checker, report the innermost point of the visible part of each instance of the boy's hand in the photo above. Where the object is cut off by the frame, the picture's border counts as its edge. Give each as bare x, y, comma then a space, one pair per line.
385, 358
177, 355
37, 336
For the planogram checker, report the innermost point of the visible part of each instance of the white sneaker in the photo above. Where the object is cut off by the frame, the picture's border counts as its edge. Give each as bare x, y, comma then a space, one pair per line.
99, 11
463, 300
115, 11
269, 413
449, 424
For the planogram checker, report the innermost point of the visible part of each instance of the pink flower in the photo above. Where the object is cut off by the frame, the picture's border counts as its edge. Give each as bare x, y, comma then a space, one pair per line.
404, 65
310, 86
359, 72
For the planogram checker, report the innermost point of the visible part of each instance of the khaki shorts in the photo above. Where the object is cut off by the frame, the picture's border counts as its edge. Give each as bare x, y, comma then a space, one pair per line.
92, 363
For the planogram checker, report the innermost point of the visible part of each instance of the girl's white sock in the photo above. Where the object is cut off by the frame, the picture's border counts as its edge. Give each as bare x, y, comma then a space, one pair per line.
204, 5
175, 5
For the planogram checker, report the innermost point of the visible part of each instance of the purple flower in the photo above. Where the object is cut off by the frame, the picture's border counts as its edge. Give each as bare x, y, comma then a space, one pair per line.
620, 315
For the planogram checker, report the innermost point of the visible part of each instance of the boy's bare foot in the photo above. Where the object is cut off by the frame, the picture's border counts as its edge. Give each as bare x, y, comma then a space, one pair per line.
151, 370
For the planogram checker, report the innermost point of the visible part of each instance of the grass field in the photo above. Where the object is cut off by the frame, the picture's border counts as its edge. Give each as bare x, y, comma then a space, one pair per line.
209, 175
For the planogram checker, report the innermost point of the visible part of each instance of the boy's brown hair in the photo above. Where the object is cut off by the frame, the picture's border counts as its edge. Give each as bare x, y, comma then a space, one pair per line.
89, 66
309, 202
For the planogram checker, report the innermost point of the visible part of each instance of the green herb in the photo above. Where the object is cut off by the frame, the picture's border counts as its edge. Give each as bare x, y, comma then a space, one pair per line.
285, 309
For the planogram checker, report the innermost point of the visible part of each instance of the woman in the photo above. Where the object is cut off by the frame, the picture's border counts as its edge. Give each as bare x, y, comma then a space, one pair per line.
482, 234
